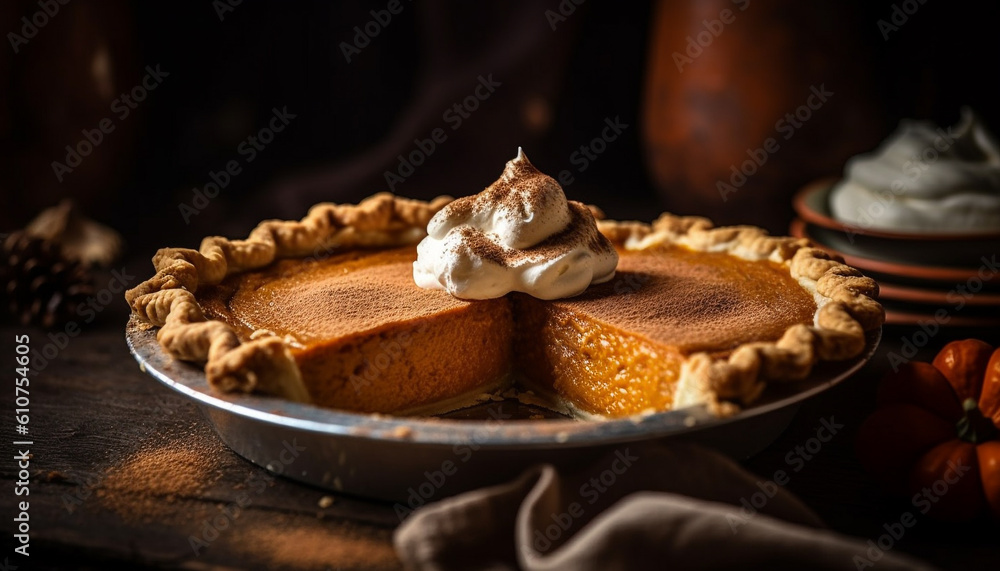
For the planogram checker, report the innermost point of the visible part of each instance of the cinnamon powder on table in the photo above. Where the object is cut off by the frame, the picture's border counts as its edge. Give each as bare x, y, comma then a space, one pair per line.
298, 544
145, 485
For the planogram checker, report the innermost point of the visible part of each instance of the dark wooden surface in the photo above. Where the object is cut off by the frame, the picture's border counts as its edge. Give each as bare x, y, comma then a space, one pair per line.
92, 407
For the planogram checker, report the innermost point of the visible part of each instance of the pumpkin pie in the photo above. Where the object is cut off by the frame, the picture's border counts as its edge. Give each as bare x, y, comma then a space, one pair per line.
326, 310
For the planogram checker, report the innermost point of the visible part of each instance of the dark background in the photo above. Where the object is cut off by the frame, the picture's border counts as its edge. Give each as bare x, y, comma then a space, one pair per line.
353, 119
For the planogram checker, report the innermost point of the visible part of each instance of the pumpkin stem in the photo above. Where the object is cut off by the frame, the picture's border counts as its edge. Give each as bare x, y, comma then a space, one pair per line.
974, 427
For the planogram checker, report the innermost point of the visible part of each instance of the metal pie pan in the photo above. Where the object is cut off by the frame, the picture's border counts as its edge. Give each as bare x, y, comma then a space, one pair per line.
414, 459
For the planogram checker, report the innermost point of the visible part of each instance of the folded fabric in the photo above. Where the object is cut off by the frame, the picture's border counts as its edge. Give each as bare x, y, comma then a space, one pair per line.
650, 507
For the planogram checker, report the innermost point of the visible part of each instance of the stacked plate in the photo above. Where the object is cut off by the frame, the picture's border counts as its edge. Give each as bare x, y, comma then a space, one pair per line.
947, 279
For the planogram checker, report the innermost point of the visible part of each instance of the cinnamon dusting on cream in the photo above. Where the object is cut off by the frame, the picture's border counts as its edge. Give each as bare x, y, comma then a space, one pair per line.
519, 234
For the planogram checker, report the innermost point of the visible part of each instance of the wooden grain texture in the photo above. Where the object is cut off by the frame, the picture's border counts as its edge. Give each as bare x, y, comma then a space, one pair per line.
92, 410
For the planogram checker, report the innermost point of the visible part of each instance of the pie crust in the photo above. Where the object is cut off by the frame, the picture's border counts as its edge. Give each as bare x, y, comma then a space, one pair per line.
845, 299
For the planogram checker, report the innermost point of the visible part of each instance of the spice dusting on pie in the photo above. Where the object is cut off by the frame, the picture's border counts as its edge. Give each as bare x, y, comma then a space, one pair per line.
363, 335
679, 302
517, 286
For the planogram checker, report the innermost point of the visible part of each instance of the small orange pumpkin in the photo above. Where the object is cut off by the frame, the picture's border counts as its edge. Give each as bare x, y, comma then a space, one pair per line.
934, 434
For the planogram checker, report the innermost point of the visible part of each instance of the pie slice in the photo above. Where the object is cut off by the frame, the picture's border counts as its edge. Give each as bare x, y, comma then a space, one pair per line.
326, 310
694, 315
363, 336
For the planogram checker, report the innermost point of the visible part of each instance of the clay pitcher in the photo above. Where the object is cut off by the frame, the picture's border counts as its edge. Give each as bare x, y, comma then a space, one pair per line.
745, 101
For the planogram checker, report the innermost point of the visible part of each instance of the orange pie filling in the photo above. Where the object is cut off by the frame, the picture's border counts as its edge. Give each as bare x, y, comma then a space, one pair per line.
366, 338
593, 367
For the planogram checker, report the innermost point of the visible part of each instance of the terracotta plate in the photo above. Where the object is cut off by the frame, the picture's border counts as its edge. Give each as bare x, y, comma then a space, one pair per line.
866, 261
812, 204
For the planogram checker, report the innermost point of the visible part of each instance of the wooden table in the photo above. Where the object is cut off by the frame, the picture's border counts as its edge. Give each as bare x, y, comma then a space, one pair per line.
92, 409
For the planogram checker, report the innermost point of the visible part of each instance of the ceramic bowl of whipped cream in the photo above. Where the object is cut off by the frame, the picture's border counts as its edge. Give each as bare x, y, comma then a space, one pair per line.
923, 182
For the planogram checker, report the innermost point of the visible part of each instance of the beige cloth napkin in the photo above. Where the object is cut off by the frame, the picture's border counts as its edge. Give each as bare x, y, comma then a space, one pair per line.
652, 507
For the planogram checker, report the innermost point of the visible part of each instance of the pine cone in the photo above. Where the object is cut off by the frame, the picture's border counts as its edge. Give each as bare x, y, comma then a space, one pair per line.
40, 286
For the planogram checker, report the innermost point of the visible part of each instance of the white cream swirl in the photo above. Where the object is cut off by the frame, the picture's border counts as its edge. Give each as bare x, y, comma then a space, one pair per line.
925, 179
519, 234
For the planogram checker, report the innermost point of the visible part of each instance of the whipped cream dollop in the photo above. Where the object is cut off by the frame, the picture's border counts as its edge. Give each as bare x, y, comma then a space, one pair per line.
925, 179
519, 234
